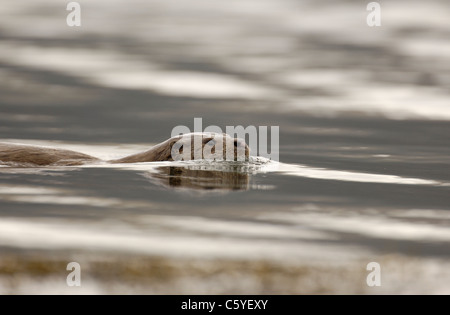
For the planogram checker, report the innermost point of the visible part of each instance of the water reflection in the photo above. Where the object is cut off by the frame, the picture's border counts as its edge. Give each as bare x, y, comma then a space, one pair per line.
341, 175
199, 179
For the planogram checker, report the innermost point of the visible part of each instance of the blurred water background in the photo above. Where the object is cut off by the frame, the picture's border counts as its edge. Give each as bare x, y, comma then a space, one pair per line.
364, 144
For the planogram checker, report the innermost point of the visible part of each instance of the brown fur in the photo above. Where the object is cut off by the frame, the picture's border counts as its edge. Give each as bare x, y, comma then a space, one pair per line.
24, 155
160, 152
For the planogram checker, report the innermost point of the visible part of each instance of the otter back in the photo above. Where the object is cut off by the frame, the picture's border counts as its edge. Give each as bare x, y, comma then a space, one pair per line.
29, 155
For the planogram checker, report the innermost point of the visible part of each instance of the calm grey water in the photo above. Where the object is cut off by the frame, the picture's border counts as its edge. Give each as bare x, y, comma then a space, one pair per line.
364, 147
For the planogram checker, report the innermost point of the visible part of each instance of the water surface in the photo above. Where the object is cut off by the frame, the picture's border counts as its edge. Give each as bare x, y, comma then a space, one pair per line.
364, 153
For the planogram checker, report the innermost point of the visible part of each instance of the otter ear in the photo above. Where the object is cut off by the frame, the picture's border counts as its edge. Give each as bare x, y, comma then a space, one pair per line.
176, 146
175, 150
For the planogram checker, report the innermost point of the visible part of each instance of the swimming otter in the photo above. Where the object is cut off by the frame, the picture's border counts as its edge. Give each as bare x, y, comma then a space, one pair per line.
24, 155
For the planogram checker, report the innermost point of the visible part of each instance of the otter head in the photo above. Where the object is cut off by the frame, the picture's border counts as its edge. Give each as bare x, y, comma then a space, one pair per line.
193, 146
209, 146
